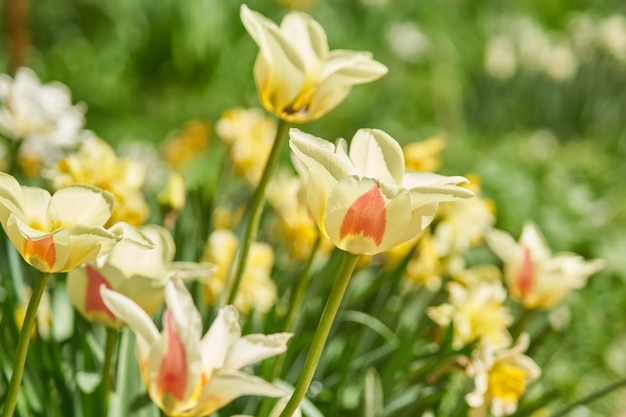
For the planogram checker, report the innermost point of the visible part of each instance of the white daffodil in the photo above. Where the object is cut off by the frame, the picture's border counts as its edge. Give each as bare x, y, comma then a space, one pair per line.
56, 233
32, 111
137, 272
187, 374
363, 200
536, 277
297, 77
500, 378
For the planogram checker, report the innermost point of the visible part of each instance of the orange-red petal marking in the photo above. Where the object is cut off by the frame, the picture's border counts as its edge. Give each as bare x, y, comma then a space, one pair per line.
42, 249
526, 273
173, 372
366, 216
93, 299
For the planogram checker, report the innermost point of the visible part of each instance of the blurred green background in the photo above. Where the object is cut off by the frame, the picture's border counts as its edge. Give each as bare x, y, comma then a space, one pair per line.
531, 95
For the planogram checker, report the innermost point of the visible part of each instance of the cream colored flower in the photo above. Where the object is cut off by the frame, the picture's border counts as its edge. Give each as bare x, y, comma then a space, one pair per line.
296, 75
187, 375
59, 232
424, 267
137, 272
36, 112
257, 288
249, 135
96, 164
500, 378
536, 277
193, 141
476, 312
363, 200
424, 155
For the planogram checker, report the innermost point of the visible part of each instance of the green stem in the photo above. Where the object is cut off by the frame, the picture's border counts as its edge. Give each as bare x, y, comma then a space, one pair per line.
256, 209
522, 323
592, 397
22, 345
321, 334
105, 382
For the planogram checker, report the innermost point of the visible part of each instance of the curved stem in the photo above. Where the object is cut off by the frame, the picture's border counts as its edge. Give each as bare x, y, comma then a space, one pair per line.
256, 209
321, 334
105, 382
22, 344
592, 397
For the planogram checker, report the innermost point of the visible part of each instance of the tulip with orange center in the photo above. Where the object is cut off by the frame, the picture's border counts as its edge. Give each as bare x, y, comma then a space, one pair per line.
362, 199
56, 233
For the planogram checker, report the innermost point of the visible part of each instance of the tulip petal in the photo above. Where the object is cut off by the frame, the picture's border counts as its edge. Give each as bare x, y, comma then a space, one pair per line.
130, 313
86, 244
11, 197
309, 38
173, 372
80, 204
503, 245
319, 156
254, 348
93, 300
414, 179
225, 387
35, 206
48, 252
131, 234
532, 239
377, 155
223, 333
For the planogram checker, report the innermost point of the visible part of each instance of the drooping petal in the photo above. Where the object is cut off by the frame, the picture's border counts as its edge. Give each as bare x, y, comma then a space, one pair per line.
222, 334
130, 313
254, 348
377, 155
87, 243
414, 179
319, 156
80, 204
226, 387
130, 234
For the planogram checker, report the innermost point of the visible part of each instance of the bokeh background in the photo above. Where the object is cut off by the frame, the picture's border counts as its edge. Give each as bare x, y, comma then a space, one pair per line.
530, 95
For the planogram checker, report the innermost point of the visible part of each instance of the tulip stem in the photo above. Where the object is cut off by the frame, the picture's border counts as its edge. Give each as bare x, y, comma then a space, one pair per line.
591, 397
105, 382
256, 209
22, 344
321, 334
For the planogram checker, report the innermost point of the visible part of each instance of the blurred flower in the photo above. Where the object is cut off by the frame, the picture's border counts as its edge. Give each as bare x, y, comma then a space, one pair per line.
187, 374
257, 288
476, 312
425, 268
190, 143
561, 63
407, 41
424, 155
500, 378
59, 232
296, 228
536, 277
172, 199
95, 163
296, 75
464, 223
32, 111
44, 313
500, 57
137, 272
364, 201
612, 35
249, 135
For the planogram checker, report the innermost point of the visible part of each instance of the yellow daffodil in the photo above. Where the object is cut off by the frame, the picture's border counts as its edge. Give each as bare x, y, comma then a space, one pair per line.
500, 378
137, 272
249, 135
297, 77
424, 155
363, 200
536, 277
95, 163
257, 288
477, 313
187, 374
59, 232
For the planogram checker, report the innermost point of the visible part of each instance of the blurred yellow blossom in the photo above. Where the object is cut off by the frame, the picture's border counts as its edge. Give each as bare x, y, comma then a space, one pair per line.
43, 325
424, 155
424, 267
96, 164
257, 288
476, 312
297, 77
188, 144
536, 277
500, 378
249, 136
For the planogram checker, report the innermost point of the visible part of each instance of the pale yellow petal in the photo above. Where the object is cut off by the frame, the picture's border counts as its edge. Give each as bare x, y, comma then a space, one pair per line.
11, 198
377, 155
79, 204
253, 348
223, 333
319, 156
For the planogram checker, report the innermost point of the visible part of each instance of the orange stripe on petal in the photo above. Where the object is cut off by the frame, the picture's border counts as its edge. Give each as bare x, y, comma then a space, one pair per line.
526, 273
93, 300
42, 249
366, 216
173, 372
